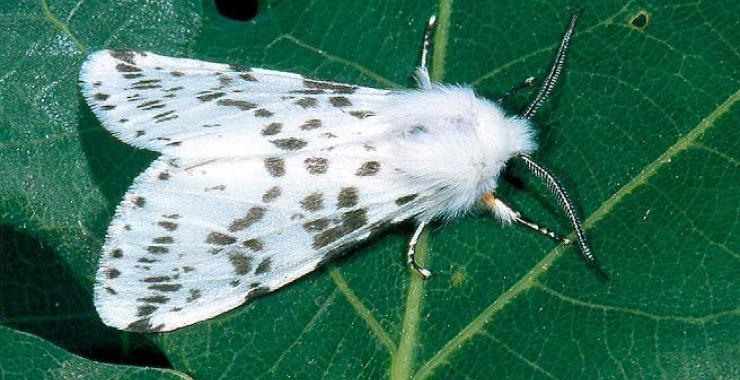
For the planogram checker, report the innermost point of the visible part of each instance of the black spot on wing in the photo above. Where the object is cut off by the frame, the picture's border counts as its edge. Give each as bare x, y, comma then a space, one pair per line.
210, 96
154, 299
313, 202
271, 194
194, 295
311, 124
262, 112
242, 263
256, 292
351, 221
254, 245
308, 91
406, 199
111, 273
164, 116
290, 144
116, 253
144, 325
240, 104
361, 114
151, 104
127, 68
123, 55
306, 102
347, 197
145, 310
225, 80
368, 168
316, 225
272, 129
157, 279
165, 287
316, 165
157, 249
264, 266
275, 166
167, 225
247, 77
218, 238
146, 84
253, 215
340, 101
338, 88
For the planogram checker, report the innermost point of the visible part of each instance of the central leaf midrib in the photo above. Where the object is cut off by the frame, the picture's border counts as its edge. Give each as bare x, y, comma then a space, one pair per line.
403, 360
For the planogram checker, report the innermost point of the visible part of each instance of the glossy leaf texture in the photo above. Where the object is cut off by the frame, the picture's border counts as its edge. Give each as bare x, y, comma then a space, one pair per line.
643, 131
24, 356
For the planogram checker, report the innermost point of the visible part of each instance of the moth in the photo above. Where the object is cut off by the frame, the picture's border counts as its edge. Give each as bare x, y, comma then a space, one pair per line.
265, 175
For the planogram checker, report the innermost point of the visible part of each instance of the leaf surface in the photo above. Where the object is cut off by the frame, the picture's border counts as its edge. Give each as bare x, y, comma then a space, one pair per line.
642, 131
24, 356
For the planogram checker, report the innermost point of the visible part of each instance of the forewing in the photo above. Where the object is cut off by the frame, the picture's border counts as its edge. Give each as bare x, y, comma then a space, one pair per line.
187, 244
199, 110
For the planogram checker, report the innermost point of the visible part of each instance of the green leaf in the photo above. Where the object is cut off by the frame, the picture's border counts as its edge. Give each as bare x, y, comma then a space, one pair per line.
24, 356
642, 130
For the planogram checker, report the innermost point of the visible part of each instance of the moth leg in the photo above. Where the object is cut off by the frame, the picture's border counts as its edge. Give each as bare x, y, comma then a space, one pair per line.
507, 214
425, 273
520, 86
422, 72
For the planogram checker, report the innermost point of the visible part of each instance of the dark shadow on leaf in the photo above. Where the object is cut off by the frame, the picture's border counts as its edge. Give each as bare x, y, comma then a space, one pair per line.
514, 175
40, 295
113, 163
238, 10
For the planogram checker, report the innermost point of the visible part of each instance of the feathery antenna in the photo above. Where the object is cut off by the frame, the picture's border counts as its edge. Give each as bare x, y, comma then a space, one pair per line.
543, 173
567, 205
427, 39
557, 66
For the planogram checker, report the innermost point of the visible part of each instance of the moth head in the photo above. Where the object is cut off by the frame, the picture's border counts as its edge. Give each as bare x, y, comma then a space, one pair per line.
506, 135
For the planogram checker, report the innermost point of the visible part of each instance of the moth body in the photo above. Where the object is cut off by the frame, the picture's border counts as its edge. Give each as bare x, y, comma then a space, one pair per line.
264, 175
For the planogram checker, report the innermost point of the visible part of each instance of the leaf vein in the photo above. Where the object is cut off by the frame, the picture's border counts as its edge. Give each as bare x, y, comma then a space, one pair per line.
311, 323
361, 310
441, 37
518, 355
491, 73
58, 24
694, 320
331, 57
403, 360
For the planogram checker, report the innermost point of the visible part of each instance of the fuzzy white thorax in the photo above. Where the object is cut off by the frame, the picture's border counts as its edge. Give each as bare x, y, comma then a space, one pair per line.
453, 144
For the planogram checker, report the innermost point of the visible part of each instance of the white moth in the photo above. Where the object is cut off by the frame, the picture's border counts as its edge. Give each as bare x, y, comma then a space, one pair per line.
265, 175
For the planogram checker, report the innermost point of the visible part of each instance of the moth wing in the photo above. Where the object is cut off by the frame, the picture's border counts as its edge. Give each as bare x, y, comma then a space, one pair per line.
187, 244
200, 110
